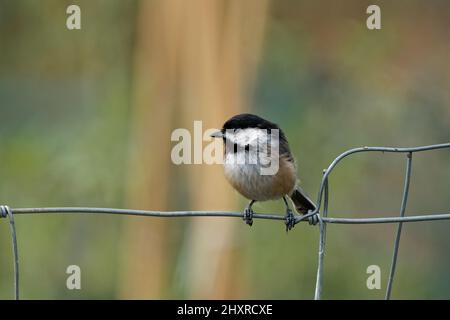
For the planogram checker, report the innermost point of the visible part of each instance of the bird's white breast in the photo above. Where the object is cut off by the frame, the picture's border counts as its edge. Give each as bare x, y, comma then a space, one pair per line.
243, 169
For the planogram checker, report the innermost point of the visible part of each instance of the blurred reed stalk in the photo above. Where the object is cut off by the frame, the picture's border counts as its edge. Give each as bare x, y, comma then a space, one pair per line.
195, 60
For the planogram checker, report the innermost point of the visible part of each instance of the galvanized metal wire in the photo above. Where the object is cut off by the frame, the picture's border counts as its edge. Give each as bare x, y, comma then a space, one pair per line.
400, 225
324, 219
314, 218
5, 211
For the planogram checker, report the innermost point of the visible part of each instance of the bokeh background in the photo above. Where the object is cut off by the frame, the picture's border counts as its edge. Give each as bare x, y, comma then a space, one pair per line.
86, 118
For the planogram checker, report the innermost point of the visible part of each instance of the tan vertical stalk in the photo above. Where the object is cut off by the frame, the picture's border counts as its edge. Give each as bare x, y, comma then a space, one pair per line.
221, 46
155, 79
195, 60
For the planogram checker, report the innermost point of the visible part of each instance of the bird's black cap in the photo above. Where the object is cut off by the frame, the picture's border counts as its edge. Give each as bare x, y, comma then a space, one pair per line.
248, 120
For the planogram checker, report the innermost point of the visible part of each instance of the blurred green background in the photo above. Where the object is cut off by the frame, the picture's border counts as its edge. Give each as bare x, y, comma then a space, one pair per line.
86, 117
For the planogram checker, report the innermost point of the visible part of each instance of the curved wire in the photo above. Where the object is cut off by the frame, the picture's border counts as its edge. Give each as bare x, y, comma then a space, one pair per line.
323, 220
371, 149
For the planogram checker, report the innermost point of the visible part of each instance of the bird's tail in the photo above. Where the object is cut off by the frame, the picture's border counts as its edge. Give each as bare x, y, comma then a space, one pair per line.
301, 201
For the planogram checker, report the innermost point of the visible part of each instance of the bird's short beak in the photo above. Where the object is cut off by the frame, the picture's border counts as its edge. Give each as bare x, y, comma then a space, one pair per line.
217, 134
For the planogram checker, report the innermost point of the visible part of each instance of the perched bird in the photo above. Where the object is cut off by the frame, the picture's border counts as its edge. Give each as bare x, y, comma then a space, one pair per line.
250, 148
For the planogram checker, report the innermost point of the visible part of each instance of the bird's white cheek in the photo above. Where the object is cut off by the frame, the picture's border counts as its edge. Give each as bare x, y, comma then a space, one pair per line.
249, 136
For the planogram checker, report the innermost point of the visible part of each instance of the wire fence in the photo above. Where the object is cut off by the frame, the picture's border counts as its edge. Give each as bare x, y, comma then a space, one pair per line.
318, 217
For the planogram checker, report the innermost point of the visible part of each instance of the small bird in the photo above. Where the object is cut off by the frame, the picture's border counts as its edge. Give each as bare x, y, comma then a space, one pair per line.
248, 149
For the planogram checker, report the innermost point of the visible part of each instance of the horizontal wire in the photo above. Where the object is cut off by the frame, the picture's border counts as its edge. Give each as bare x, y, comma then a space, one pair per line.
430, 217
132, 212
173, 214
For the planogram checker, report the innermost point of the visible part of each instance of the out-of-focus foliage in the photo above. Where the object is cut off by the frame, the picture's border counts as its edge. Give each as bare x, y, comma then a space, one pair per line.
65, 99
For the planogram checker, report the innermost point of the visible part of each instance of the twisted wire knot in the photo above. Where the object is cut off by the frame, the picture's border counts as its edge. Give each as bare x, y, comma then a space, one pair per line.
312, 217
4, 211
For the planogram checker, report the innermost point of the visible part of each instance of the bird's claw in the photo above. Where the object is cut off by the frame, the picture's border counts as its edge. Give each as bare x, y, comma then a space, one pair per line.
289, 220
248, 216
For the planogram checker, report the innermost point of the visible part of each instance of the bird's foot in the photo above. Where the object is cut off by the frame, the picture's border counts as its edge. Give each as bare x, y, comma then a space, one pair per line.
248, 216
289, 220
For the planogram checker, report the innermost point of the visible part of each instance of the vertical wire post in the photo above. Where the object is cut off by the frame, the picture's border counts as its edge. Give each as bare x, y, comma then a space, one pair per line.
6, 211
400, 225
323, 233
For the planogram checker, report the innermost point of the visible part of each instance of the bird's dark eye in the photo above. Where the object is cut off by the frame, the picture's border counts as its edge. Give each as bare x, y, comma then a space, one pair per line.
247, 147
235, 148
